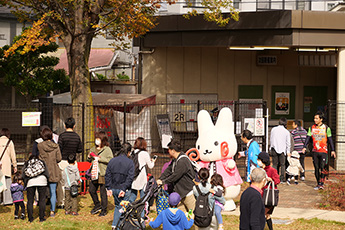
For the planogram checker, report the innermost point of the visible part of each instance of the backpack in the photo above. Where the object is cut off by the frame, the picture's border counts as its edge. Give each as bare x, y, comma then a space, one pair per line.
193, 164
202, 212
34, 168
134, 157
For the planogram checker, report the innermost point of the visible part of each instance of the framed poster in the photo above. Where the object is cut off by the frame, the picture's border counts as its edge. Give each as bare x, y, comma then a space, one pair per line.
283, 102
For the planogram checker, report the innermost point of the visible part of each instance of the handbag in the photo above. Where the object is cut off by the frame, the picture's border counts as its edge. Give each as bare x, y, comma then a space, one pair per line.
94, 170
34, 168
162, 201
72, 189
271, 195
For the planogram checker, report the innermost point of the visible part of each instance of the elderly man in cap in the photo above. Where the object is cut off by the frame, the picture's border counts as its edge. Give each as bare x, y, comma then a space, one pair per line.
172, 218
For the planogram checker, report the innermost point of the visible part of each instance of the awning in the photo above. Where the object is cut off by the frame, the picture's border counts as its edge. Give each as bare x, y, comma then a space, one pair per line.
108, 99
98, 58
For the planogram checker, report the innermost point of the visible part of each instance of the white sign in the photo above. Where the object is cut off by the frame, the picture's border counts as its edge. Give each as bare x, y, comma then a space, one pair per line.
166, 140
31, 119
259, 127
249, 123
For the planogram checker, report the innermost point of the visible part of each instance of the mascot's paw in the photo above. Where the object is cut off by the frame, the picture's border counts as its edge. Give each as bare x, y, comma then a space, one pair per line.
231, 164
229, 205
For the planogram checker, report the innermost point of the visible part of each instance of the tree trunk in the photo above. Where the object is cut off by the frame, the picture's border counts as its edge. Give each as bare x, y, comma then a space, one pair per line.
78, 52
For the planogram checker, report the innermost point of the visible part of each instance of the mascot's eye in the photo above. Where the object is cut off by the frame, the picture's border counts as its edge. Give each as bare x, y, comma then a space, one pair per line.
216, 143
198, 147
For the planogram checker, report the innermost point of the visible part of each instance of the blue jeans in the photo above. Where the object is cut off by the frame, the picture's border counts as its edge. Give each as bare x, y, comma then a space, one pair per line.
217, 212
52, 191
133, 197
134, 194
117, 201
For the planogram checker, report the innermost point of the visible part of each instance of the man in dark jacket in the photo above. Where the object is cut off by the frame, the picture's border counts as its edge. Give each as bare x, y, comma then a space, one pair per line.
69, 143
118, 179
252, 207
181, 174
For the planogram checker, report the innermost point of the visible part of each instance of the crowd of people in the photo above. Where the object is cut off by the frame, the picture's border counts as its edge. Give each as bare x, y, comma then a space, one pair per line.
53, 167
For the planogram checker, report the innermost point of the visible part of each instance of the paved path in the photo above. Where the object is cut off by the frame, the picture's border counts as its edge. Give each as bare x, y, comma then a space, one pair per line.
301, 201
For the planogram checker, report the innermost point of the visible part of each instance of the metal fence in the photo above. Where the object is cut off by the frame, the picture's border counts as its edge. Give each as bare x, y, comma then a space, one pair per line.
126, 122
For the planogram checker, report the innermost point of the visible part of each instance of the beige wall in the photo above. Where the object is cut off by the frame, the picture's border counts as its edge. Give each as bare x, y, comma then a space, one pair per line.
221, 71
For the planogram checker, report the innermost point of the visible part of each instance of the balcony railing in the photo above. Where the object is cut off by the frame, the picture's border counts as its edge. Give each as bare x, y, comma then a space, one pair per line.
181, 7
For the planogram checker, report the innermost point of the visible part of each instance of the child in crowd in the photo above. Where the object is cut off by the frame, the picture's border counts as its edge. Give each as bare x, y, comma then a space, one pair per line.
17, 189
218, 189
294, 167
72, 172
172, 218
206, 187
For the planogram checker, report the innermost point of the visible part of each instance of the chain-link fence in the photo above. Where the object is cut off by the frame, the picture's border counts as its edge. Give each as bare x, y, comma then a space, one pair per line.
126, 122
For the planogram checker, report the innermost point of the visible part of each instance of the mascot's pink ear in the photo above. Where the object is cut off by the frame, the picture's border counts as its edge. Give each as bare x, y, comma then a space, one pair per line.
193, 154
224, 149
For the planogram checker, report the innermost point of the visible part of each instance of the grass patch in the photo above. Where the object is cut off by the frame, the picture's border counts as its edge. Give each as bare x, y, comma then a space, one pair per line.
87, 221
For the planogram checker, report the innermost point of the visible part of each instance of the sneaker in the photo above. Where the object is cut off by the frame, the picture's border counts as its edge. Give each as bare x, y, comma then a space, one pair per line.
16, 217
317, 187
22, 216
42, 220
67, 213
52, 214
296, 182
288, 182
303, 178
96, 210
103, 213
220, 227
75, 214
320, 187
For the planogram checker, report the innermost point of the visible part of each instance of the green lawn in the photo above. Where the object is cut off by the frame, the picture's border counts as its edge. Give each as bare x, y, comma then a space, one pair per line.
87, 221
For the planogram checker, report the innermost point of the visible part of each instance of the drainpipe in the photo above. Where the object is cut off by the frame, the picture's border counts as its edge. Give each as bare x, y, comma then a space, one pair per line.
140, 64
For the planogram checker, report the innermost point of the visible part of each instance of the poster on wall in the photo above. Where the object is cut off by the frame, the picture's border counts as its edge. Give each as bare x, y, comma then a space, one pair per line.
282, 103
31, 119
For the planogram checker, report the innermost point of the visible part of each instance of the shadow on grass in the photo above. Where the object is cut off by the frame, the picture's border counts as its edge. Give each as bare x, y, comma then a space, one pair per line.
5, 209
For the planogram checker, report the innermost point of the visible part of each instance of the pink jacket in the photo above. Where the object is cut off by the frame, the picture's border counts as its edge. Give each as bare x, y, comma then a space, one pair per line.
230, 176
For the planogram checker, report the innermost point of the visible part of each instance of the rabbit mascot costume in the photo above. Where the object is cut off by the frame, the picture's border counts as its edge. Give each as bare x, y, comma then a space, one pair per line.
216, 147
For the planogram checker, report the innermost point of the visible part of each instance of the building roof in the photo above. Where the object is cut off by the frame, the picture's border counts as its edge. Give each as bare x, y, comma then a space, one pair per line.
99, 57
292, 28
107, 99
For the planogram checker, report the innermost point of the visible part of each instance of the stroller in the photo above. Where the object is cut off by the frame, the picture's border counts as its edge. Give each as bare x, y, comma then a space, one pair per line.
132, 217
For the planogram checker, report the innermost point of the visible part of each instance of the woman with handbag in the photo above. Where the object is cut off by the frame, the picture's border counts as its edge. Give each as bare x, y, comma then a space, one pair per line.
272, 175
100, 156
143, 159
7, 156
51, 155
35, 176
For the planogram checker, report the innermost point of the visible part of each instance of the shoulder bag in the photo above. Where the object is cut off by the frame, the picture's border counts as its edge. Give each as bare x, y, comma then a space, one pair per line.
271, 195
